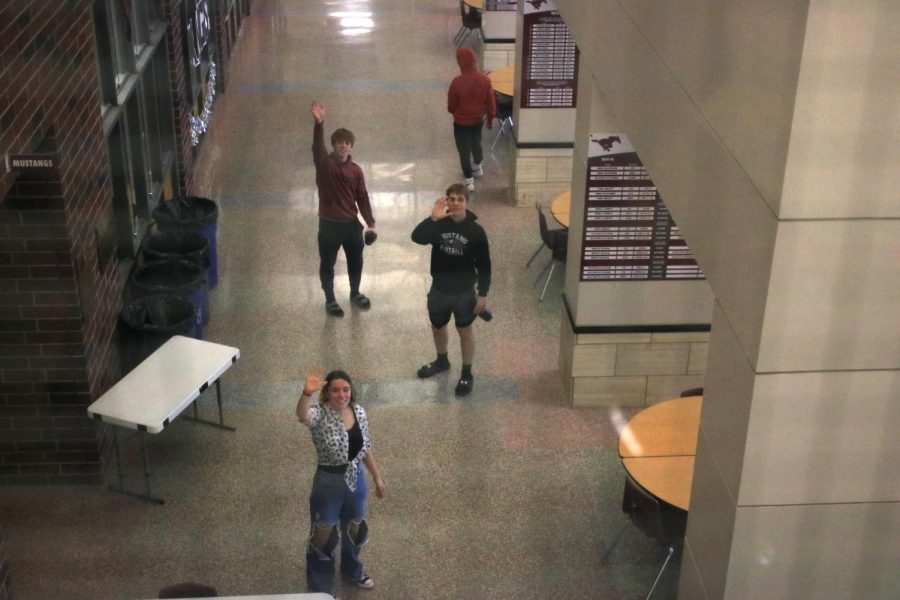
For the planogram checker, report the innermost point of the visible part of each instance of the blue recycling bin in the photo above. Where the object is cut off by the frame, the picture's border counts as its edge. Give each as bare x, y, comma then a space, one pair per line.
193, 213
178, 277
150, 321
181, 244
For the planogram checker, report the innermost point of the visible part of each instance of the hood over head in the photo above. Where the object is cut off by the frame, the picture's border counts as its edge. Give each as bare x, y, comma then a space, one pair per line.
465, 58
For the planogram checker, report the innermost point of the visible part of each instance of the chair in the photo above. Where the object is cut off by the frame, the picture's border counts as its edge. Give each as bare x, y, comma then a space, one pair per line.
697, 391
471, 21
504, 115
656, 519
557, 240
188, 590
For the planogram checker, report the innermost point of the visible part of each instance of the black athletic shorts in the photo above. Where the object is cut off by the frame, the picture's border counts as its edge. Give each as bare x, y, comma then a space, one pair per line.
441, 306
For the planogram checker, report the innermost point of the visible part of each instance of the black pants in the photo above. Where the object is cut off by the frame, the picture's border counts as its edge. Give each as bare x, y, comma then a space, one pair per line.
468, 144
332, 237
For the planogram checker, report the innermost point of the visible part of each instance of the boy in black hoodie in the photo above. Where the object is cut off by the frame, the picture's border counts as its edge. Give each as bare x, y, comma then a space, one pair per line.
460, 256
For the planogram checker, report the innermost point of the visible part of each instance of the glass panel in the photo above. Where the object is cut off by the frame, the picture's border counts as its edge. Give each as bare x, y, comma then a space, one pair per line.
123, 191
136, 141
150, 109
106, 65
165, 111
122, 39
155, 11
140, 20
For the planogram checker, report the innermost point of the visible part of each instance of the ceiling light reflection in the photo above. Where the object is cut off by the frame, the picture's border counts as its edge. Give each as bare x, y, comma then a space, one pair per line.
354, 32
350, 14
356, 23
399, 171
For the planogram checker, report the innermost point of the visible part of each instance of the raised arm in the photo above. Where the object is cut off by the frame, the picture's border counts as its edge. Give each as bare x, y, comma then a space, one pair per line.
313, 383
424, 231
319, 149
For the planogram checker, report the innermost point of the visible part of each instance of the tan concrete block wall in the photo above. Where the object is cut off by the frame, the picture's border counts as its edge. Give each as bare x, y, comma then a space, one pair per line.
542, 174
529, 193
498, 55
629, 369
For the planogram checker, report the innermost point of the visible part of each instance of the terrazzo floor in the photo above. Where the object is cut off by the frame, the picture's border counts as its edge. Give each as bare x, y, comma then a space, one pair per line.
505, 494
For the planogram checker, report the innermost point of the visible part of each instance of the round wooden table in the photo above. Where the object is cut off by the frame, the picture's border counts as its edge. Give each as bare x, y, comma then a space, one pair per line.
502, 80
658, 445
560, 207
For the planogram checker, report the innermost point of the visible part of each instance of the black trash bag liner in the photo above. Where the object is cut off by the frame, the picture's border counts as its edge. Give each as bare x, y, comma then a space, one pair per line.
150, 321
186, 212
177, 244
167, 276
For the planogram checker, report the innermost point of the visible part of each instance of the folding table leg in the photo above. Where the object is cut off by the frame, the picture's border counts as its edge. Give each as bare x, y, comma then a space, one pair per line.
221, 424
144, 455
118, 458
219, 401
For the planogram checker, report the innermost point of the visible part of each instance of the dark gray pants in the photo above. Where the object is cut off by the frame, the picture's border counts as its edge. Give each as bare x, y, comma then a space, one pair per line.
332, 237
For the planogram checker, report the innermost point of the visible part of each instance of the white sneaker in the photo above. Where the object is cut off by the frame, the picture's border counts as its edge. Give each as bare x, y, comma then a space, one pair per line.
477, 171
470, 184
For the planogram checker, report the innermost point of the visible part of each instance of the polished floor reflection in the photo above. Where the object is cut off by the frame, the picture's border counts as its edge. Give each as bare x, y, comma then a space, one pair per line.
505, 494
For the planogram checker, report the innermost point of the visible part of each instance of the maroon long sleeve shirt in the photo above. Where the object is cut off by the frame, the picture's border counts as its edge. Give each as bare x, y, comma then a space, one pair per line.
342, 187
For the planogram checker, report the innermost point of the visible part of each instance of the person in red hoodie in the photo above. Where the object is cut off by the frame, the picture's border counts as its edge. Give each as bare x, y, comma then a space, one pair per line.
470, 99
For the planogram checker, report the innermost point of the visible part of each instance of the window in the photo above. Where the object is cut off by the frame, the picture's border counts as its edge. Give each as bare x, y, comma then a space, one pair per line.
127, 226
137, 13
105, 61
122, 38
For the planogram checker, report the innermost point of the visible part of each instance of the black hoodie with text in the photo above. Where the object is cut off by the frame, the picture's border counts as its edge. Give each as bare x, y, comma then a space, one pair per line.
460, 255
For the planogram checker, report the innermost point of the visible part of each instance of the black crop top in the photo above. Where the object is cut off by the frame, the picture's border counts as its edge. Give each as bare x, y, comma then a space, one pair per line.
354, 440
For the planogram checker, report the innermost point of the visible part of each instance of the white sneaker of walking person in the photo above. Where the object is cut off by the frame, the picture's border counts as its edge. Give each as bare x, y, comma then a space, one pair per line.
477, 171
470, 184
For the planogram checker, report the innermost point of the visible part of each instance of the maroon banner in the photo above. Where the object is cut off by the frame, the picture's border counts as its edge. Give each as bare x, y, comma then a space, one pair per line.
628, 231
550, 58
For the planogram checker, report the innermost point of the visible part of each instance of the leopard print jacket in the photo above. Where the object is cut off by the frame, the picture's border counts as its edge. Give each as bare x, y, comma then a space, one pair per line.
331, 440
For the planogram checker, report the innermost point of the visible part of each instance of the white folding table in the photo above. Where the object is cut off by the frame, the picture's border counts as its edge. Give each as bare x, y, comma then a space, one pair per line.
153, 394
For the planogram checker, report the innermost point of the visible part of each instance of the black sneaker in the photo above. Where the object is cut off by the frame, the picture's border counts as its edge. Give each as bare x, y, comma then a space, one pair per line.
432, 368
334, 309
464, 386
360, 301
364, 581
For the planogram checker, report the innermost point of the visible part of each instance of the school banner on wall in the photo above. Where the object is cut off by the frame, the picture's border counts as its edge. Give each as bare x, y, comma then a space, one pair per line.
628, 231
550, 58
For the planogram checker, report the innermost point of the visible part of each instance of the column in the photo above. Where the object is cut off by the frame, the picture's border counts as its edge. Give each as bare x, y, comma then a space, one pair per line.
544, 103
631, 339
771, 133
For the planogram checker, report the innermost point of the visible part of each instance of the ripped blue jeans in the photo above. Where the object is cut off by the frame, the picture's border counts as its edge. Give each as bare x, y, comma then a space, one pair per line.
331, 503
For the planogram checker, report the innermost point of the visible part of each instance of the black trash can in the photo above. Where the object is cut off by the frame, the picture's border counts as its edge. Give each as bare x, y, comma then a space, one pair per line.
181, 244
194, 213
178, 277
150, 321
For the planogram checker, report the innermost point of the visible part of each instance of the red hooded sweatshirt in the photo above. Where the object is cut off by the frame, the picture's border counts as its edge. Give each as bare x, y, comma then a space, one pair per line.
471, 96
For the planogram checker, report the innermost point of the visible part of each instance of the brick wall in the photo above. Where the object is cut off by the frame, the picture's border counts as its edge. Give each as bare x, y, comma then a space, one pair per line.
58, 300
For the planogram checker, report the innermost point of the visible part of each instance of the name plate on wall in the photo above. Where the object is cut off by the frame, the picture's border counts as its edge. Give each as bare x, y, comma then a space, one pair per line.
628, 231
30, 163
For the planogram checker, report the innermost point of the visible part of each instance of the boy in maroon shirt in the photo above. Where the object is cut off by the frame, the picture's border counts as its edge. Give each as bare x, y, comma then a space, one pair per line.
342, 197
